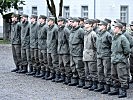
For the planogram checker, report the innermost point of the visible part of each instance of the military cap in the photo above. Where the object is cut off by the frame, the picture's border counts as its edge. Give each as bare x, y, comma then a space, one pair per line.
81, 19
123, 23
75, 19
51, 18
118, 25
34, 16
70, 18
85, 18
107, 20
61, 19
103, 23
89, 21
42, 16
15, 15
118, 21
131, 23
96, 21
24, 15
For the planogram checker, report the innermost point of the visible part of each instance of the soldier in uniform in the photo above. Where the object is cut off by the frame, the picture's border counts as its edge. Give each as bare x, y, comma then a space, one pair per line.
103, 44
63, 51
131, 55
120, 50
89, 56
52, 43
76, 43
16, 41
25, 46
42, 46
34, 45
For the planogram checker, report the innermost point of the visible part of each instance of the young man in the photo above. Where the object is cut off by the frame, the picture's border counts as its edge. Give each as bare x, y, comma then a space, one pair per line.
89, 56
131, 55
103, 44
34, 45
76, 43
63, 51
25, 44
42, 46
16, 41
52, 43
120, 50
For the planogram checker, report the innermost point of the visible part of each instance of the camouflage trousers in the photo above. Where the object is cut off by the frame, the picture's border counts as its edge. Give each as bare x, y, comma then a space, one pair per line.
16, 51
64, 65
43, 59
119, 74
53, 63
77, 67
91, 70
104, 69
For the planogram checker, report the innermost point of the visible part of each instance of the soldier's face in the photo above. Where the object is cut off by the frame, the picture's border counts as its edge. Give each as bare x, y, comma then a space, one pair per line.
40, 20
22, 19
116, 29
74, 24
131, 27
102, 27
70, 22
60, 23
87, 25
13, 19
50, 22
32, 20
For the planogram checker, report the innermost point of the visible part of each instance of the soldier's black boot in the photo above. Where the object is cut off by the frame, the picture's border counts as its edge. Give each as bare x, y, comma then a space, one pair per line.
74, 82
42, 74
37, 72
24, 70
30, 69
81, 83
16, 69
32, 73
94, 86
20, 69
57, 77
122, 93
62, 79
107, 89
52, 76
67, 80
114, 92
88, 84
100, 88
47, 73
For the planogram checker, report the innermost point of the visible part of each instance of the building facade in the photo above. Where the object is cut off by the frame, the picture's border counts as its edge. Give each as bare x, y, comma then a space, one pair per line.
112, 9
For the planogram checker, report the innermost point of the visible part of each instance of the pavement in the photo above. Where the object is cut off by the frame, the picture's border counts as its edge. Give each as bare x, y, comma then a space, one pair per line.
14, 86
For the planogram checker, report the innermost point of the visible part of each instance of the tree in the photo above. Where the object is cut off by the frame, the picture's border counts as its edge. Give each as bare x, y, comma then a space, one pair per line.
7, 4
52, 8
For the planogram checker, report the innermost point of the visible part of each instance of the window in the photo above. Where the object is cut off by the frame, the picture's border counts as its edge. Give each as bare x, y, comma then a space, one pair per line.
124, 13
66, 12
34, 10
48, 13
20, 10
84, 11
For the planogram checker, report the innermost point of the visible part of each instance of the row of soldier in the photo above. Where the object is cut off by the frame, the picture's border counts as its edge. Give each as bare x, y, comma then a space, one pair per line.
83, 53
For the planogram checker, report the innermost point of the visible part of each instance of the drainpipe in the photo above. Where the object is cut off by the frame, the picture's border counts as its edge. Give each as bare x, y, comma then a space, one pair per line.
94, 9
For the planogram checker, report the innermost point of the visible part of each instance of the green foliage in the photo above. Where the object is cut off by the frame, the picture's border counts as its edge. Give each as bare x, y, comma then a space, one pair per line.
7, 4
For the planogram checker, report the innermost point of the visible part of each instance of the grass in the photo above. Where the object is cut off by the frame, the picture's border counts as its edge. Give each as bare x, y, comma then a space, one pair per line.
4, 41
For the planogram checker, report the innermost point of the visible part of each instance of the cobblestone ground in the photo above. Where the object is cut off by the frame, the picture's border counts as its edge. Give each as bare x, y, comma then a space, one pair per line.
15, 86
